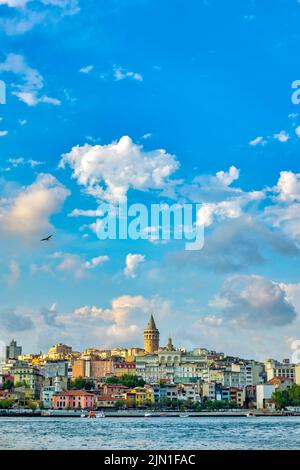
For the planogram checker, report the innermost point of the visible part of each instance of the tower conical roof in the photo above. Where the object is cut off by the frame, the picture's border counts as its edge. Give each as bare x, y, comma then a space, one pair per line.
151, 324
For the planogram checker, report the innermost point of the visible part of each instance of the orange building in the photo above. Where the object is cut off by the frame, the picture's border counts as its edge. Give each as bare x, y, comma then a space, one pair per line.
78, 369
94, 368
124, 368
73, 399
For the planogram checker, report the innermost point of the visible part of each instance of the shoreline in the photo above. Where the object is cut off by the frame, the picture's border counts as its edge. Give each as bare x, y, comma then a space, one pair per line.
138, 414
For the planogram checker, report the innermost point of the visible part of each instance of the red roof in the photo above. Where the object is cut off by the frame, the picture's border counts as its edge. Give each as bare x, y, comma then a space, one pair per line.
74, 393
108, 398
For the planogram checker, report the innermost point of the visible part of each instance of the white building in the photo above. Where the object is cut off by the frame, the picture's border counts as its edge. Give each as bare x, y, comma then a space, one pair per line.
263, 394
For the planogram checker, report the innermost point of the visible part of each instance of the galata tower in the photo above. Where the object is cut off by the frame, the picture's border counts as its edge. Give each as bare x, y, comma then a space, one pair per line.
151, 337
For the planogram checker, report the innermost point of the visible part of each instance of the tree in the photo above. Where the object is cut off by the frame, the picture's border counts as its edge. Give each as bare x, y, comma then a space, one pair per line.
8, 385
5, 404
130, 381
120, 404
288, 397
82, 384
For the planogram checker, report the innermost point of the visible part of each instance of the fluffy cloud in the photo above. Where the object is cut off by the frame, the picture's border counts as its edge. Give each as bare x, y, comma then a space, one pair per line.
284, 213
249, 301
288, 187
109, 171
86, 70
125, 307
26, 14
97, 261
70, 263
121, 74
13, 321
257, 141
14, 273
16, 162
282, 136
30, 83
219, 199
131, 264
29, 212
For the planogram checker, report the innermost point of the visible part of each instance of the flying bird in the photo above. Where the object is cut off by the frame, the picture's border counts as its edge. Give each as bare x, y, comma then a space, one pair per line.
46, 239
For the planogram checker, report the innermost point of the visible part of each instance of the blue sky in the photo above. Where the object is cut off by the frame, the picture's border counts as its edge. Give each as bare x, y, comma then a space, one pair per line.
209, 82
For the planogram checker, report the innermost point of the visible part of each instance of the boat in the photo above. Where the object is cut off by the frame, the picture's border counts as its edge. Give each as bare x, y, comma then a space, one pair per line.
184, 415
94, 414
148, 415
250, 415
83, 415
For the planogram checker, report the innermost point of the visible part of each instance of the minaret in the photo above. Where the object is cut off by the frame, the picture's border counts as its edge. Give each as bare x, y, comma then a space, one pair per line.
151, 337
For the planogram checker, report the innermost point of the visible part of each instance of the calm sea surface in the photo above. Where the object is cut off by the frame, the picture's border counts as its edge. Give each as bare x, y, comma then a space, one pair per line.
150, 433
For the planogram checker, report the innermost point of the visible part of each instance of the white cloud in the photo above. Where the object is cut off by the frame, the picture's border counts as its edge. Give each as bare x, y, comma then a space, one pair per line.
26, 14
30, 83
282, 136
219, 199
108, 171
86, 213
14, 273
297, 131
257, 141
15, 162
14, 3
253, 300
288, 187
72, 264
97, 261
86, 70
29, 212
131, 264
227, 177
126, 308
3, 133
121, 74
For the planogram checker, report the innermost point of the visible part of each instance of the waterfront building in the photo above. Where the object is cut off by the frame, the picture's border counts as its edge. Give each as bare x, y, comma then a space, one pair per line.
264, 395
114, 390
172, 365
280, 369
13, 351
151, 337
73, 400
139, 396
189, 392
48, 391
30, 376
106, 401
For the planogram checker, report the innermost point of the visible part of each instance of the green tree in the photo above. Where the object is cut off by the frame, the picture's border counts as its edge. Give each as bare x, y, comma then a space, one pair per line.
8, 385
82, 384
5, 404
129, 381
288, 397
120, 404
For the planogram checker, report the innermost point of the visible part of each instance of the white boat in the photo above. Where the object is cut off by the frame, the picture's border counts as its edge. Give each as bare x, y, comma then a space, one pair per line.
100, 414
83, 415
250, 415
148, 415
184, 415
